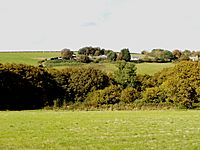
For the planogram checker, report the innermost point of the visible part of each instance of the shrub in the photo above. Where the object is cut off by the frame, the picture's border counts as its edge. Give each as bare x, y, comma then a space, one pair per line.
153, 95
143, 81
129, 95
109, 95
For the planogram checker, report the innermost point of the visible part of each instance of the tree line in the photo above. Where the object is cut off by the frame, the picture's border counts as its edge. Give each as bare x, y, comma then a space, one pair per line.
161, 55
30, 87
85, 52
155, 55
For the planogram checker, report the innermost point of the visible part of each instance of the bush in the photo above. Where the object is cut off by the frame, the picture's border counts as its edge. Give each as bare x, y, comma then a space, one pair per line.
129, 95
153, 95
109, 95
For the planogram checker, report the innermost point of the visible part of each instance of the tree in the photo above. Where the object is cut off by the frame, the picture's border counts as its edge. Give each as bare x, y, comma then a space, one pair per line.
89, 50
125, 54
85, 80
126, 74
177, 54
168, 56
185, 55
66, 54
112, 56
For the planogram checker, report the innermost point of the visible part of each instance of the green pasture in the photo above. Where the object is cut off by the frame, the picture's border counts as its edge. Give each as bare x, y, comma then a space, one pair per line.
30, 58
118, 130
151, 68
106, 67
142, 68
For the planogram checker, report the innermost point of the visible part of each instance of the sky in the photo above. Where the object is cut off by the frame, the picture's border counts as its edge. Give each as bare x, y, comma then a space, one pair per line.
110, 24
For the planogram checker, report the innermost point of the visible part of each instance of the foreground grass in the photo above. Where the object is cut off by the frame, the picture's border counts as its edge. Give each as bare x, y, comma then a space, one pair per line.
100, 130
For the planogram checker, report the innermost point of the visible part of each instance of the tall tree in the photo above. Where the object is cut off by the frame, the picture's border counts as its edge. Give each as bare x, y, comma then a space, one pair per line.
177, 53
112, 56
126, 54
126, 74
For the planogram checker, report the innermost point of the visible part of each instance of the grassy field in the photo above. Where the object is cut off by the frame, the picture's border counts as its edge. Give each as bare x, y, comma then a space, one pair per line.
142, 68
30, 58
100, 130
151, 68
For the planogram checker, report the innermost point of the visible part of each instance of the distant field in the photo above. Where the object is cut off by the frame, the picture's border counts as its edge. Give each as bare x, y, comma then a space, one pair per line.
106, 67
151, 68
142, 68
100, 130
30, 58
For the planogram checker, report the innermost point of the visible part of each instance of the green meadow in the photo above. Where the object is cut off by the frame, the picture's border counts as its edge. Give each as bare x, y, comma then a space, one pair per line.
32, 58
41, 129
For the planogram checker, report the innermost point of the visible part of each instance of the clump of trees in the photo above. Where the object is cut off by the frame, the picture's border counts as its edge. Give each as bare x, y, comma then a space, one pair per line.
124, 54
161, 55
30, 87
158, 55
26, 87
89, 54
178, 85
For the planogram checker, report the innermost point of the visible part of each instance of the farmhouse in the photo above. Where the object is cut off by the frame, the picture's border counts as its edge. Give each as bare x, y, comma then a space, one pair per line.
194, 58
102, 57
134, 58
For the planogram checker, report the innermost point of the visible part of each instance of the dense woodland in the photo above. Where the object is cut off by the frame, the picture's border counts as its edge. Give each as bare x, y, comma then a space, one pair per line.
31, 87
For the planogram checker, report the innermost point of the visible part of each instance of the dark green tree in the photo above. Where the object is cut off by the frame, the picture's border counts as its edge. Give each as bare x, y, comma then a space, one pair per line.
112, 56
125, 54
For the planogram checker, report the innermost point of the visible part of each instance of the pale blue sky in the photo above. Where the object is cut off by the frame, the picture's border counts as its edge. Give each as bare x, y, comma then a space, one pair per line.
111, 24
